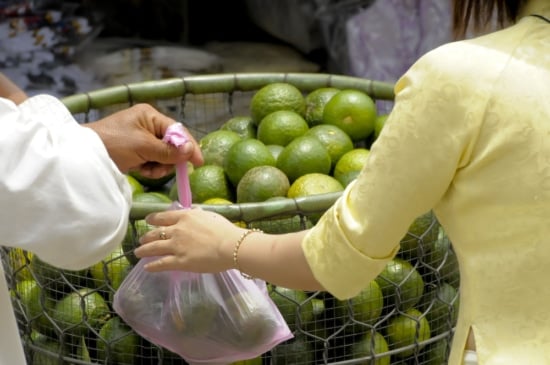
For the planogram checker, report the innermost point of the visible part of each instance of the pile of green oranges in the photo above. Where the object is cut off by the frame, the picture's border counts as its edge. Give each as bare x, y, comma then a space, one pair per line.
289, 145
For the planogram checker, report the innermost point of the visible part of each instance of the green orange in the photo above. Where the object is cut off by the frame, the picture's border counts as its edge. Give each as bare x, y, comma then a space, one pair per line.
304, 155
209, 181
135, 185
261, 183
244, 155
379, 124
151, 197
281, 127
371, 343
242, 125
214, 146
335, 140
313, 184
315, 104
353, 111
350, 164
401, 284
410, 327
276, 96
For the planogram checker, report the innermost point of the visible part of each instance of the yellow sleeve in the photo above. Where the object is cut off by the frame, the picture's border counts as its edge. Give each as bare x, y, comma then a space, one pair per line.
428, 136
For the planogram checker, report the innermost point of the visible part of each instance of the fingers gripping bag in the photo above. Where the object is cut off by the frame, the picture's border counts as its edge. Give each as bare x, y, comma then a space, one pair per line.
205, 318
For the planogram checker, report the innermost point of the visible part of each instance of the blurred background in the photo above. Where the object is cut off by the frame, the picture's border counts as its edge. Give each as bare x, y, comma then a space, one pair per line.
64, 47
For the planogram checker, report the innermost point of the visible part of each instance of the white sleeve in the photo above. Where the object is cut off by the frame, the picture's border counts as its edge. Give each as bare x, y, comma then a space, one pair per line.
61, 196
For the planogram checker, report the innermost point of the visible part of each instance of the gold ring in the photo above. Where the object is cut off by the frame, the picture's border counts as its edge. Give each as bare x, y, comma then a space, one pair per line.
162, 235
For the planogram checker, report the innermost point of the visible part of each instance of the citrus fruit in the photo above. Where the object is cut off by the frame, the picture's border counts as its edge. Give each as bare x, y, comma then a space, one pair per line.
18, 260
80, 309
36, 303
193, 313
313, 184
209, 181
217, 201
350, 165
379, 124
304, 155
48, 351
315, 104
135, 230
348, 177
153, 183
214, 146
401, 284
436, 353
243, 156
242, 125
254, 361
442, 258
423, 230
82, 351
261, 183
117, 342
135, 185
281, 127
276, 96
294, 305
443, 308
369, 345
335, 140
54, 280
353, 111
275, 150
253, 320
109, 273
407, 329
151, 197
295, 351
365, 307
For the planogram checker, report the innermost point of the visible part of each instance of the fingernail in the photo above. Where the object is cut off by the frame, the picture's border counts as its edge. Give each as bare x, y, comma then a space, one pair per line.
187, 147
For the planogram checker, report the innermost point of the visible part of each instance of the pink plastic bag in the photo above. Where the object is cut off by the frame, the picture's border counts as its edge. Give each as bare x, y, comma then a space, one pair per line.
205, 318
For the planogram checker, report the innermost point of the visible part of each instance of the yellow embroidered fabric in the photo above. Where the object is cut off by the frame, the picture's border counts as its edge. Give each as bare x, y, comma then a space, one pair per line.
469, 137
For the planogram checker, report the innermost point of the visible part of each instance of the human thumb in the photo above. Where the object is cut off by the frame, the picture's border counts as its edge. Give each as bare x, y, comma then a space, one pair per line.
176, 136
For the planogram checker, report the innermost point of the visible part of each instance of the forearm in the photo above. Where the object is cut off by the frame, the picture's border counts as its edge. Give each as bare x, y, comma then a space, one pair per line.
63, 184
261, 255
9, 90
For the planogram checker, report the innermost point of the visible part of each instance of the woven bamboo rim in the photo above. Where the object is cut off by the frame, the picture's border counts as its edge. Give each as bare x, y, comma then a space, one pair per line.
148, 91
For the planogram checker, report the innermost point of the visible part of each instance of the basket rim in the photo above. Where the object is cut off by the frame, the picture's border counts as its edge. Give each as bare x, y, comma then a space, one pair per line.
250, 212
169, 88
160, 89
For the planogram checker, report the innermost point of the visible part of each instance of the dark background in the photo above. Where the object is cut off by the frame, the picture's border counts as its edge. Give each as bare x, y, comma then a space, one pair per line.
187, 22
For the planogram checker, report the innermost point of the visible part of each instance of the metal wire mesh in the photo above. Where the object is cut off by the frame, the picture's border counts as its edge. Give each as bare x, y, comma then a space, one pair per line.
405, 316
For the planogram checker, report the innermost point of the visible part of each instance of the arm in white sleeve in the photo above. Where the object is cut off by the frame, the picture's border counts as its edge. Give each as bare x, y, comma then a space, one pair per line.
61, 195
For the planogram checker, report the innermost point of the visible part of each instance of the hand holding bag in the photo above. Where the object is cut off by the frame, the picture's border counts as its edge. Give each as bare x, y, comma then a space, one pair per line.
205, 318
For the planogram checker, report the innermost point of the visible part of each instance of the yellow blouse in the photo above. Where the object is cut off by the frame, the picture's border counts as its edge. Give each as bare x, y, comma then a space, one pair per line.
469, 137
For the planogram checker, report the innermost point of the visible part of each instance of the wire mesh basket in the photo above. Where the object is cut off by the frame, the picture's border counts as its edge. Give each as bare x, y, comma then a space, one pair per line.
405, 316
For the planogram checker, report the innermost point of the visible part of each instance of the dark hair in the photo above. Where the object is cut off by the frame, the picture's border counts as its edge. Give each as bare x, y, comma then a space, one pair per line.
481, 12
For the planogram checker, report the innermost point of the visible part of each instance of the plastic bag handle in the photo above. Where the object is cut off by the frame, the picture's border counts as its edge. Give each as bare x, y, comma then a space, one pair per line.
176, 135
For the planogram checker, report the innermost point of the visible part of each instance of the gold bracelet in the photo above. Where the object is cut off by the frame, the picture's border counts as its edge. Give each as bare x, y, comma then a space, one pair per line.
236, 250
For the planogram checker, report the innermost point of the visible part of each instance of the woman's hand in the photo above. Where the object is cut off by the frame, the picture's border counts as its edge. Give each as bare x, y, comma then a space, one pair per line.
191, 240
133, 138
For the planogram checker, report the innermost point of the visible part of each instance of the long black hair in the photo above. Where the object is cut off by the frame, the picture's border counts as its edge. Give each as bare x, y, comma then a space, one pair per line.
479, 13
